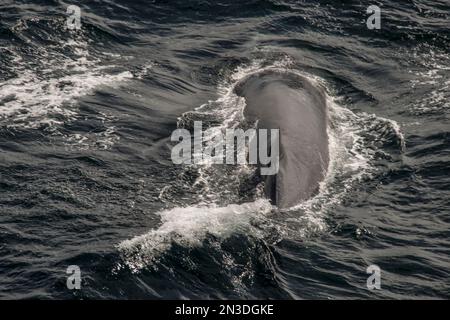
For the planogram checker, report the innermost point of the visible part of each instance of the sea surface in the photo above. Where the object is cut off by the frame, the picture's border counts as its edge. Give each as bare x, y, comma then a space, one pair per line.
86, 177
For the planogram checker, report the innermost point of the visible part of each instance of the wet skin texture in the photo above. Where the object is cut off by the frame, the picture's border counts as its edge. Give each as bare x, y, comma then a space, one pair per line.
298, 108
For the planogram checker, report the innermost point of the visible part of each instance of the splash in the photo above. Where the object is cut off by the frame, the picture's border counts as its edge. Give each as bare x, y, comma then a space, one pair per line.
189, 226
353, 143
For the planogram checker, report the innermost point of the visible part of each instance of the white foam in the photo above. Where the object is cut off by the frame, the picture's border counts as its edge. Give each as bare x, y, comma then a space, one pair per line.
432, 74
93, 140
189, 226
44, 94
35, 99
350, 162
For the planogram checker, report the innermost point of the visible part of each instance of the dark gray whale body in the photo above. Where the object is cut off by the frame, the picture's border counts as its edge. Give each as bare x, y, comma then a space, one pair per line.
298, 108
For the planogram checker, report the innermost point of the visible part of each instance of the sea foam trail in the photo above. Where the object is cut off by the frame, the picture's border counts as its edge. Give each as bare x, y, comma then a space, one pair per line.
353, 148
45, 92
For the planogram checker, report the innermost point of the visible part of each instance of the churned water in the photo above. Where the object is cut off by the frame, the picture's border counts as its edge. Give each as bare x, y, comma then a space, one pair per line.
86, 176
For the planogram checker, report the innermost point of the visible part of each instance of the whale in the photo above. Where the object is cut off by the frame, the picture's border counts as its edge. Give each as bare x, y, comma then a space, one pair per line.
297, 107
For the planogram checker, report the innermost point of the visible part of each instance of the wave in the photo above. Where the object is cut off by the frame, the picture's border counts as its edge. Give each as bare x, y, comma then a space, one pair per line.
43, 83
432, 79
222, 209
35, 97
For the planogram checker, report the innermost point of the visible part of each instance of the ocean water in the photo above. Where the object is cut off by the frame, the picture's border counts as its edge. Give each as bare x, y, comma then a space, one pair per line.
86, 177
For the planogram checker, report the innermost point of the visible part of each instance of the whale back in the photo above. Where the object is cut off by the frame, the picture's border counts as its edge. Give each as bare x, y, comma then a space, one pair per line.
298, 108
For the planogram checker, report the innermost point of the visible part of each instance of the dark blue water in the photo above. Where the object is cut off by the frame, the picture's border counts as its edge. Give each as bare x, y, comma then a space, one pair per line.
86, 177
